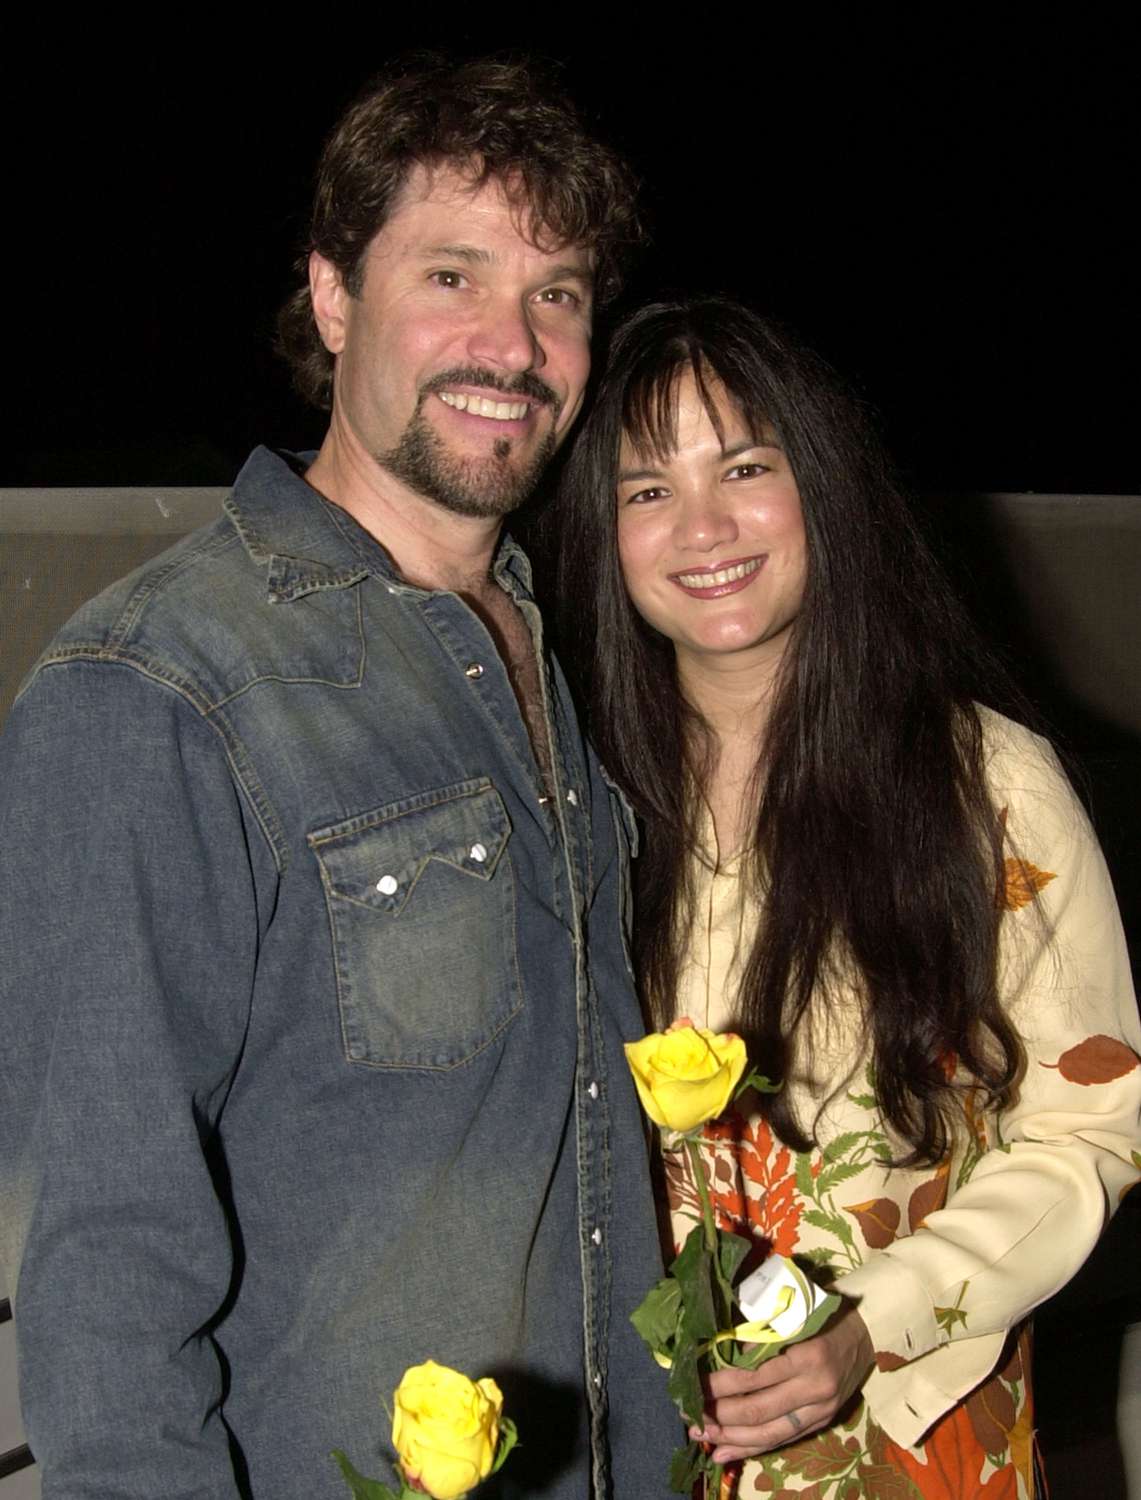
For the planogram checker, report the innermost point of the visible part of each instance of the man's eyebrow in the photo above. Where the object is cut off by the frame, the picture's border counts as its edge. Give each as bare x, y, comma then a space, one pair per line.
472, 255
469, 253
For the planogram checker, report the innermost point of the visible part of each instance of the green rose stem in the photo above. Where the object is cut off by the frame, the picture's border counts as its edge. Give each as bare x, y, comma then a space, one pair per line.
711, 1482
725, 1308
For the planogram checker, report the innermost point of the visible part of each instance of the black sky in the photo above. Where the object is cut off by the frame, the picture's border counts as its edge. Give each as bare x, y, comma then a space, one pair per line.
949, 215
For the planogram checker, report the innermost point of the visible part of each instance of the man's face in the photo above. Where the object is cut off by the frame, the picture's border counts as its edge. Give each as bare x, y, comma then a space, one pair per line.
461, 366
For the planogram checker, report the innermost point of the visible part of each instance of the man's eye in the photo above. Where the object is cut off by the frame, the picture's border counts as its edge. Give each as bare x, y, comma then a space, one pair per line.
559, 296
447, 278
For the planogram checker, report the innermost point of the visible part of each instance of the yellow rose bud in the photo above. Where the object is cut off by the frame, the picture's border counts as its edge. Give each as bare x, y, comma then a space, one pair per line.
445, 1429
686, 1075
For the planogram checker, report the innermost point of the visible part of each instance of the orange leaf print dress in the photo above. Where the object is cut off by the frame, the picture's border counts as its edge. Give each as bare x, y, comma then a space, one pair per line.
945, 1263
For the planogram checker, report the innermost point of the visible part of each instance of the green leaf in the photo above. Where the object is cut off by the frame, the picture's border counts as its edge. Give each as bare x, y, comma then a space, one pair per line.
758, 1081
819, 1255
842, 1144
693, 1271
843, 1229
832, 1176
657, 1316
687, 1466
865, 1101
508, 1439
950, 1318
684, 1385
820, 1218
362, 1488
804, 1183
731, 1251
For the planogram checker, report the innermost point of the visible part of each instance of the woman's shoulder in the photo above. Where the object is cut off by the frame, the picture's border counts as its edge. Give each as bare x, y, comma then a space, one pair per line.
1019, 763
1041, 814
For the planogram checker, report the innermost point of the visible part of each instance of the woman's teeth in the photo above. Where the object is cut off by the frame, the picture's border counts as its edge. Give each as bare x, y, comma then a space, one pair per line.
482, 406
723, 575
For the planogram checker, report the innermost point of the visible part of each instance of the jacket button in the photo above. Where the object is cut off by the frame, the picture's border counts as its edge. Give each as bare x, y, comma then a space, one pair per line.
473, 669
387, 885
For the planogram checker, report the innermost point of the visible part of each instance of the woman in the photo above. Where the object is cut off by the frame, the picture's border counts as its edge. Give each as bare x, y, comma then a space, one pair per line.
886, 887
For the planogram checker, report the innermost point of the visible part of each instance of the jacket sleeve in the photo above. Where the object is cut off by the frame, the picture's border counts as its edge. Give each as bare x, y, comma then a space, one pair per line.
1021, 1218
129, 926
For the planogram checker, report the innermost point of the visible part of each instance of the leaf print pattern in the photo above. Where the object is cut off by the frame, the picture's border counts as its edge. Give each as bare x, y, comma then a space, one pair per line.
928, 1198
878, 1218
1022, 882
1099, 1059
952, 1467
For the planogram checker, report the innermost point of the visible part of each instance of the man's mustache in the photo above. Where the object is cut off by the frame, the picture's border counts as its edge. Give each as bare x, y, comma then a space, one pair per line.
524, 384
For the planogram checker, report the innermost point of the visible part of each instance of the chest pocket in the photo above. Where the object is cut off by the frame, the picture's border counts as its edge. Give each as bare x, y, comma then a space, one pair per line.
421, 903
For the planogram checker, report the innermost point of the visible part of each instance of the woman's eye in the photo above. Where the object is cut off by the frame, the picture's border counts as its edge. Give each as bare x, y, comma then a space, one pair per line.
639, 497
747, 471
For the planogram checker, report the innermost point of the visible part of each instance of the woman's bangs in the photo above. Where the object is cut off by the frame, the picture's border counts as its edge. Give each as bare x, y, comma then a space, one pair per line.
649, 408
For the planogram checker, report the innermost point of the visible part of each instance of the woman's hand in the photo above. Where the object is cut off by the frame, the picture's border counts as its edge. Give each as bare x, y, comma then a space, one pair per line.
800, 1390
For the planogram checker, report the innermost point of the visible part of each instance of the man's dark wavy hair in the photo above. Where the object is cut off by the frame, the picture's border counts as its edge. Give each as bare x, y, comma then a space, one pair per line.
494, 119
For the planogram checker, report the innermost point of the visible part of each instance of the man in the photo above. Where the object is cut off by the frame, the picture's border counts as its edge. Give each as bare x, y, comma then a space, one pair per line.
315, 980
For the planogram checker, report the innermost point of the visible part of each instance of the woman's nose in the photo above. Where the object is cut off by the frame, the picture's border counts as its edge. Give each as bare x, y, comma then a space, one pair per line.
705, 522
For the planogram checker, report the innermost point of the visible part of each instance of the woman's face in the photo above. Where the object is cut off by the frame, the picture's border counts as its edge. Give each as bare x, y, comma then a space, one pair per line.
711, 538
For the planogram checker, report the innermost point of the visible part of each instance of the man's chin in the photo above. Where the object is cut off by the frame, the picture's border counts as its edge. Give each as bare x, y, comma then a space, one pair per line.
485, 488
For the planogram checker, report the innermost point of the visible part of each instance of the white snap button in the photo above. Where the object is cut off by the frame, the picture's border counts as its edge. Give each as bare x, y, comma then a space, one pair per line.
572, 797
473, 669
596, 1236
593, 1090
478, 853
387, 885
597, 1380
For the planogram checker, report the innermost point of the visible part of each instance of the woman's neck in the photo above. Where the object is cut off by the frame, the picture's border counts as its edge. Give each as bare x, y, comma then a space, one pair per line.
734, 703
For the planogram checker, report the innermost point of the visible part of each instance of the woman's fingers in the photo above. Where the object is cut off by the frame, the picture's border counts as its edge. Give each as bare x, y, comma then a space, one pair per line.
753, 1411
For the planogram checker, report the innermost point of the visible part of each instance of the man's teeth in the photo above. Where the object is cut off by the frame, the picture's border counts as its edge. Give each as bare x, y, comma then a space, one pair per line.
482, 406
723, 575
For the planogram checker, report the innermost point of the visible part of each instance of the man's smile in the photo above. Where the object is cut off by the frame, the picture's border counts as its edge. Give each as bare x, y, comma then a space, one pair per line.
484, 406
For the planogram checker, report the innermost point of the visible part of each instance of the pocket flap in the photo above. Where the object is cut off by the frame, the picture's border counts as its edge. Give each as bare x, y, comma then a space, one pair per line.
375, 859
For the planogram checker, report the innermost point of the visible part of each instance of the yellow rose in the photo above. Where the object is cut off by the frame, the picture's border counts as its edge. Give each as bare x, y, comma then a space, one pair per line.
445, 1429
686, 1075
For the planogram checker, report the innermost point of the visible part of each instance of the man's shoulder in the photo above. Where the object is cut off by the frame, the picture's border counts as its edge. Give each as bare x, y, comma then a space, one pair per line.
198, 616
166, 609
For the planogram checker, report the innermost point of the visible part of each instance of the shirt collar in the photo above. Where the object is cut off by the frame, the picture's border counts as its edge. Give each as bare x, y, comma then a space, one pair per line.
307, 543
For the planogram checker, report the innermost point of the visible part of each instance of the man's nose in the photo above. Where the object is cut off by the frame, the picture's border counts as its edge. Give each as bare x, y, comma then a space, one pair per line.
504, 338
704, 522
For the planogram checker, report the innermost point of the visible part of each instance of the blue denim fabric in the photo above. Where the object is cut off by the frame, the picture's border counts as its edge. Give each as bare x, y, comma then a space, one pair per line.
314, 1011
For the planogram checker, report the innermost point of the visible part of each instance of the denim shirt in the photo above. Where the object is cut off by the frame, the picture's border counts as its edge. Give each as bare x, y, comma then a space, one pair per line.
314, 1003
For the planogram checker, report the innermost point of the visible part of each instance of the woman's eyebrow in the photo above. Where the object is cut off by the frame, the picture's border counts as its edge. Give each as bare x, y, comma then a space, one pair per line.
626, 475
735, 449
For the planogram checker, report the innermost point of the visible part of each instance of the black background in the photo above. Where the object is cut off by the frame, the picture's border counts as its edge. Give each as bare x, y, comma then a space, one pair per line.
945, 208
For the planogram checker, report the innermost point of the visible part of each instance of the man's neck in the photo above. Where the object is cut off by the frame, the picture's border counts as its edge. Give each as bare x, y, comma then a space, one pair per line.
432, 547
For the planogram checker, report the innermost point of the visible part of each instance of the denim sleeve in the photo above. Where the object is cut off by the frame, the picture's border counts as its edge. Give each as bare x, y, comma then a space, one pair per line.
128, 924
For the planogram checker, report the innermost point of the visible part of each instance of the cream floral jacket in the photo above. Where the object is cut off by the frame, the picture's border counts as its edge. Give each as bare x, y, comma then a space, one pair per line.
944, 1262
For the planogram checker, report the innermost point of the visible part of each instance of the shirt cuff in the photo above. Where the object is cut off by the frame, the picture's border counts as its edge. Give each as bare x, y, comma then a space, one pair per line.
896, 1308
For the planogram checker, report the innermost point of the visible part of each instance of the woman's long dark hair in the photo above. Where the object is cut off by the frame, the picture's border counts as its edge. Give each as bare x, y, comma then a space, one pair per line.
876, 845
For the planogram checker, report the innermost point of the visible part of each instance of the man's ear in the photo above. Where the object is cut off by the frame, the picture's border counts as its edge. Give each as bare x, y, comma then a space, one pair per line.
328, 295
